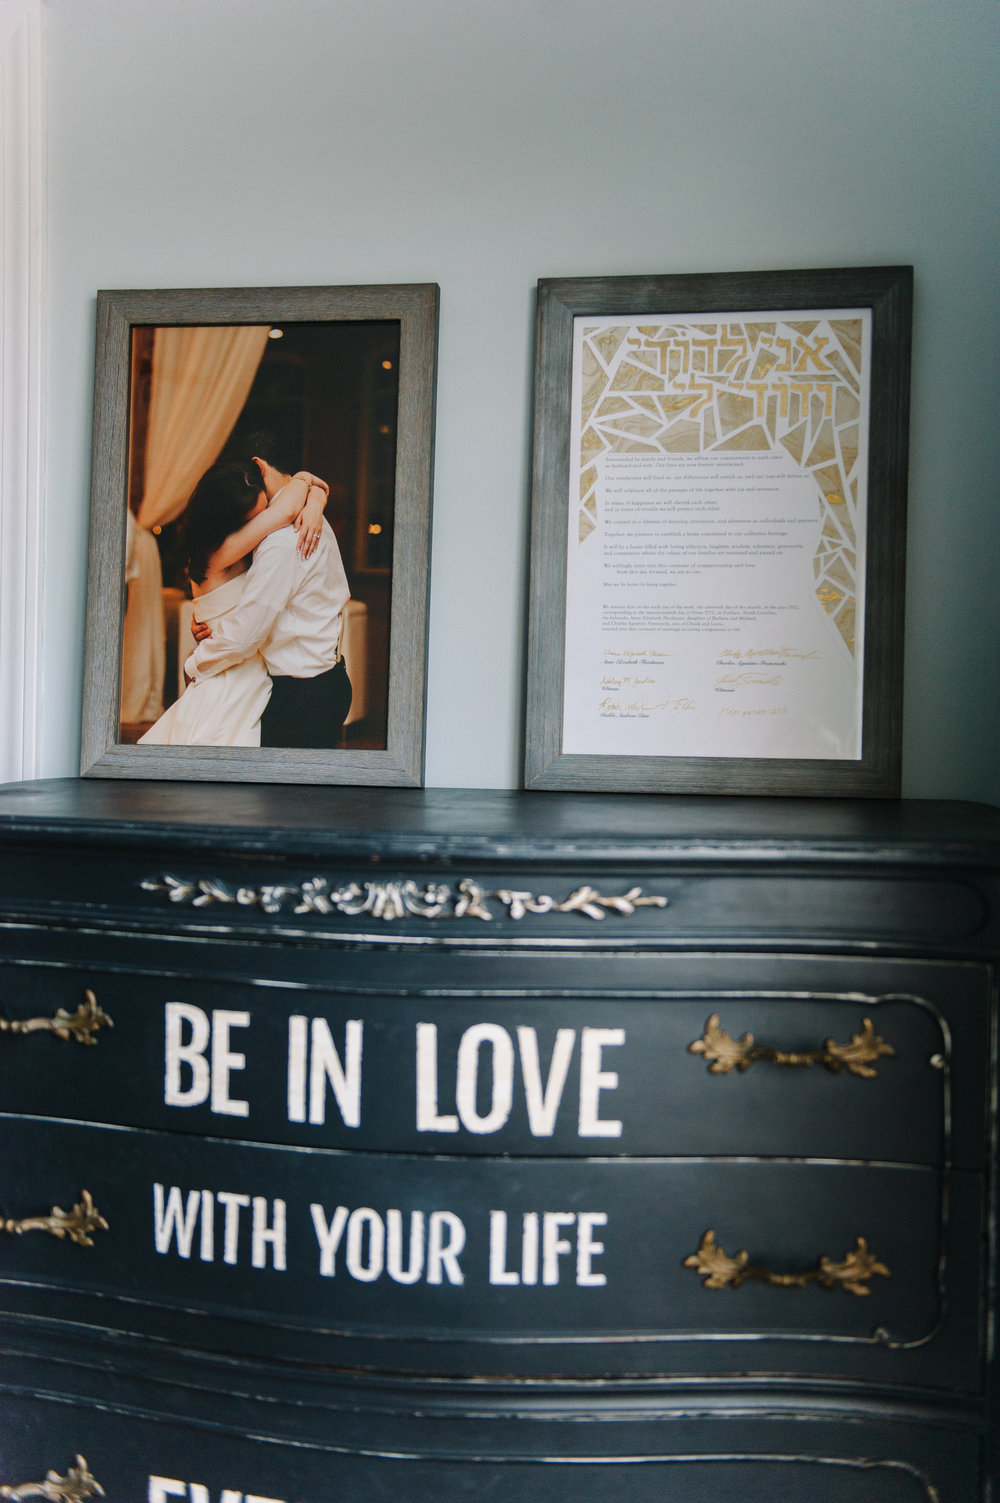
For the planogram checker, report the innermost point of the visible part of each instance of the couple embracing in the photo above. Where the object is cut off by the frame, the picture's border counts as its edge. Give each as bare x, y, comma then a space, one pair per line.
267, 670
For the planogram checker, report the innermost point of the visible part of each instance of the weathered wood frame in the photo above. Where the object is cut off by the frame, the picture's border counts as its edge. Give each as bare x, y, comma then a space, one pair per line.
400, 764
887, 292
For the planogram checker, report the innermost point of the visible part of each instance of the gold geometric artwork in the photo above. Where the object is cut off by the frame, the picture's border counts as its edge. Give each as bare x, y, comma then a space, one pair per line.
736, 386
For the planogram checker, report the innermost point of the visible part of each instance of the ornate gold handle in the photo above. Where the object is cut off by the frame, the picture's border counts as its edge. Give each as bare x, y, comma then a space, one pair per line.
77, 1225
77, 1483
725, 1053
80, 1025
721, 1271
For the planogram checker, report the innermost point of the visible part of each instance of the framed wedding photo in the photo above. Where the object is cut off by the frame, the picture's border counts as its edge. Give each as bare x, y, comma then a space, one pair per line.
259, 534
718, 533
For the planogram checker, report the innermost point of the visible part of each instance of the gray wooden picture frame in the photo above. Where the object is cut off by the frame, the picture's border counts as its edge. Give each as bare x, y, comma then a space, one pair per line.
415, 308
887, 292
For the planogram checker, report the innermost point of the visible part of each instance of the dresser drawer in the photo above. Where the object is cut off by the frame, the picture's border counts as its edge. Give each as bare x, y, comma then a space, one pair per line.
498, 1265
489, 898
526, 1054
727, 1459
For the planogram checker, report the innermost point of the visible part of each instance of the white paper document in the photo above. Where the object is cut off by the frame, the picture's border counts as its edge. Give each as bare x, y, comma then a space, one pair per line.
716, 526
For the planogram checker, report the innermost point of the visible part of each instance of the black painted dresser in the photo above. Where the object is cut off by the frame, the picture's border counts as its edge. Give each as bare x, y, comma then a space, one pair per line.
458, 1145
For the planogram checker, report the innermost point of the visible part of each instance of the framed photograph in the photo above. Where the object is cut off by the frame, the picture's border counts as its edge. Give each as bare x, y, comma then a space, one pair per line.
259, 534
718, 533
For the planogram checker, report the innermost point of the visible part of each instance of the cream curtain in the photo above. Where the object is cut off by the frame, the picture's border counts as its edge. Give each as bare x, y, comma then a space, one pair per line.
143, 644
200, 381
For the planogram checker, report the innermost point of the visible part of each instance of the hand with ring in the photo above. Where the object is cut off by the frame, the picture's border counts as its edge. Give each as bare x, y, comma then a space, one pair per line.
309, 522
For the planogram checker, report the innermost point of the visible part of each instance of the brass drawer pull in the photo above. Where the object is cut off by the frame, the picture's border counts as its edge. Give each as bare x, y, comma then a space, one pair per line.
77, 1484
77, 1225
80, 1025
725, 1053
721, 1271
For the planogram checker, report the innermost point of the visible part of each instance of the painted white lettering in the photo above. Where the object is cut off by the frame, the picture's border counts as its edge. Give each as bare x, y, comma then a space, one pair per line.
176, 1218
499, 1272
427, 1083
594, 1080
344, 1078
225, 1061
264, 1236
484, 1079
298, 1048
394, 1251
178, 1052
529, 1248
442, 1255
587, 1249
328, 1237
374, 1245
554, 1247
161, 1489
207, 1227
231, 1231
365, 1220
543, 1104
501, 1093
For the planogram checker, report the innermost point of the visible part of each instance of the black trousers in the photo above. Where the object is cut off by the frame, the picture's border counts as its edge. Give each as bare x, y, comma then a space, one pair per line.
307, 712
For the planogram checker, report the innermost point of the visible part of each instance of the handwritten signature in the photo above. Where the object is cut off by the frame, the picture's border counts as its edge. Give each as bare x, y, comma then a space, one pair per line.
619, 683
611, 653
644, 706
742, 677
740, 653
728, 713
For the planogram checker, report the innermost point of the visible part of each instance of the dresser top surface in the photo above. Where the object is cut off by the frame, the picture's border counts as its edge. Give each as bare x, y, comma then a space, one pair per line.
451, 823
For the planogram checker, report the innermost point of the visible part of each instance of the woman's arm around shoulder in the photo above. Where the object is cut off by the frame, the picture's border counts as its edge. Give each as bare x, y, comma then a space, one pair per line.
300, 502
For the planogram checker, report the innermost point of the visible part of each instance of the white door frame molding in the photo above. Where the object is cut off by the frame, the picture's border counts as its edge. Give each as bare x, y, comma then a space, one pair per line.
21, 385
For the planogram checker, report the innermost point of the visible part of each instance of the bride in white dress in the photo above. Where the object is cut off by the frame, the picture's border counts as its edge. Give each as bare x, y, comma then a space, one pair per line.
227, 516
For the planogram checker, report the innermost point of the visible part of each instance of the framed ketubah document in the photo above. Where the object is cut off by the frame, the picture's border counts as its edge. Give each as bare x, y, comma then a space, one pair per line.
718, 533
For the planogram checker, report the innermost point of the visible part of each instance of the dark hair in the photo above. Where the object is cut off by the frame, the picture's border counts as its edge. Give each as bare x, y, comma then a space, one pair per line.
263, 443
220, 503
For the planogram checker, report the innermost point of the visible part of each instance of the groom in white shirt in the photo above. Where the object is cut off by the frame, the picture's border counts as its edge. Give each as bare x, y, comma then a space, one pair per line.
291, 613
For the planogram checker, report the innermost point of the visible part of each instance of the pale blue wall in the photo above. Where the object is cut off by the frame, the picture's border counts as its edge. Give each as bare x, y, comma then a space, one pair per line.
484, 143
